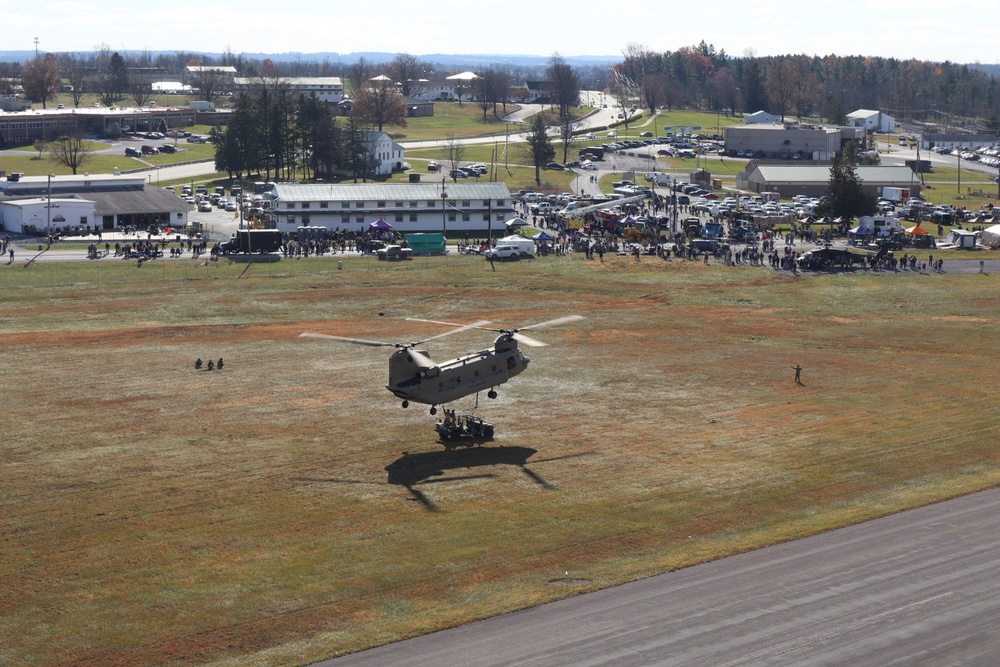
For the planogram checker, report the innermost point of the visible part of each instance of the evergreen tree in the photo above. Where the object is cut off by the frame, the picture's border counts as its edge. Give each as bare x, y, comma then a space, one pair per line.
846, 196
539, 147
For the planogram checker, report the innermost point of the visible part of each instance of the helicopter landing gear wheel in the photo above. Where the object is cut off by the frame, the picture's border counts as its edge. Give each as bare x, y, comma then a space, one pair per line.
406, 404
492, 393
434, 410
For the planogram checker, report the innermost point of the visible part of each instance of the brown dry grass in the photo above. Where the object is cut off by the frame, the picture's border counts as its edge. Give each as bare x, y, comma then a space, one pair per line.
287, 509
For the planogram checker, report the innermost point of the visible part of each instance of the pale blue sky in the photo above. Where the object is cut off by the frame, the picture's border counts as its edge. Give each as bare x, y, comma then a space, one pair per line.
917, 28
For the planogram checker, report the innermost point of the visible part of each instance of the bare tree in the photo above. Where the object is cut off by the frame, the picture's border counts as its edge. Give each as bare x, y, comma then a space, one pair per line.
379, 103
625, 91
454, 151
359, 74
490, 88
405, 70
567, 127
71, 150
112, 82
40, 80
564, 84
207, 82
10, 72
77, 79
654, 91
139, 89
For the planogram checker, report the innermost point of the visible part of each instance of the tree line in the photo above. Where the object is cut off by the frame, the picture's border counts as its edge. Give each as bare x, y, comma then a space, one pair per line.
702, 77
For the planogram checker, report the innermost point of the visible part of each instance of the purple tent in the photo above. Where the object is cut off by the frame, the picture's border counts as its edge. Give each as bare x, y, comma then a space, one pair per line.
381, 225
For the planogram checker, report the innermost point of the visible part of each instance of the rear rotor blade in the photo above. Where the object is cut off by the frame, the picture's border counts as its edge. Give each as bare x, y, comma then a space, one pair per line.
341, 339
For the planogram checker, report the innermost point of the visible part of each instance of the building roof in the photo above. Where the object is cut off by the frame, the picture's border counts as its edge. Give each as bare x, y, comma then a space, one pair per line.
866, 113
979, 138
122, 201
389, 191
226, 69
299, 81
462, 76
821, 174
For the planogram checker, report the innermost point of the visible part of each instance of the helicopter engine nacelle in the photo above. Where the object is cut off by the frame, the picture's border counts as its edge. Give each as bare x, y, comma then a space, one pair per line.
431, 372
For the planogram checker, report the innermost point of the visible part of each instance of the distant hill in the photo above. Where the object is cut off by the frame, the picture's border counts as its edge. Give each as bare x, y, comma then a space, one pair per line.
471, 60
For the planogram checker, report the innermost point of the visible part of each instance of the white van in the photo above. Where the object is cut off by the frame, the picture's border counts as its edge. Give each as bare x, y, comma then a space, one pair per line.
525, 246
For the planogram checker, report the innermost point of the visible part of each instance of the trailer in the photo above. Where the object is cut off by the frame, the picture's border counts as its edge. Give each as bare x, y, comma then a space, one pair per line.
252, 241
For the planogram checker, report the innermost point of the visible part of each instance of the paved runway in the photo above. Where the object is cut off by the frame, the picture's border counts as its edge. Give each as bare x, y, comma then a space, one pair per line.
917, 588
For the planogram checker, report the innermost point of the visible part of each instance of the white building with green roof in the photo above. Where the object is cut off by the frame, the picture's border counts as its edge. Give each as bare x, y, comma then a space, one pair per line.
408, 207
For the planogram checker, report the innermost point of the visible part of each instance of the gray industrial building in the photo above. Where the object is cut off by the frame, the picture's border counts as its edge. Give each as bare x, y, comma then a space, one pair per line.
780, 142
813, 181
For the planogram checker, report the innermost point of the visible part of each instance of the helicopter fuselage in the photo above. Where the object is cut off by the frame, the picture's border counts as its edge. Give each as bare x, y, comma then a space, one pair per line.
456, 378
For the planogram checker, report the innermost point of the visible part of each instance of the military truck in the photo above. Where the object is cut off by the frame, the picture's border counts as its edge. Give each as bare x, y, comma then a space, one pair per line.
251, 241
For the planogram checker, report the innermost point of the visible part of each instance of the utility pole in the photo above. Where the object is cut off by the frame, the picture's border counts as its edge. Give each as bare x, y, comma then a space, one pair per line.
36, 48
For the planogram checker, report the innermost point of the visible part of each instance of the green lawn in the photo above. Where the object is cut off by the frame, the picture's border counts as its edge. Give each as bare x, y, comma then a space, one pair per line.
288, 509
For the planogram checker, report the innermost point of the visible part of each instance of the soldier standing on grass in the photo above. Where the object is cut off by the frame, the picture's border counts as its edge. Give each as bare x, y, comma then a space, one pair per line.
798, 374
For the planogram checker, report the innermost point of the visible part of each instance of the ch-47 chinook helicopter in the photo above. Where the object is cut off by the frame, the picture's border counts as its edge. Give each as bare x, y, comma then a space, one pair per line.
414, 376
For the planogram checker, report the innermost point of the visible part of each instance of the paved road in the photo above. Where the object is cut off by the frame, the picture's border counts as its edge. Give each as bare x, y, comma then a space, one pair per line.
917, 588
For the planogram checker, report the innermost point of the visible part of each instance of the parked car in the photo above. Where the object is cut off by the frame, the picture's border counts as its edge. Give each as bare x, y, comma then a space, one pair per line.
167, 148
131, 152
457, 173
148, 150
554, 165
433, 166
645, 134
503, 252
205, 206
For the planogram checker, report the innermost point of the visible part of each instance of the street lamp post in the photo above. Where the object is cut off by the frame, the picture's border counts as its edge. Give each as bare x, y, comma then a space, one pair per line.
444, 215
48, 210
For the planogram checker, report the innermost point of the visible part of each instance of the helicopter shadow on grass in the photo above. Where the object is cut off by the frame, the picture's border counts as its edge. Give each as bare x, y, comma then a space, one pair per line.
423, 468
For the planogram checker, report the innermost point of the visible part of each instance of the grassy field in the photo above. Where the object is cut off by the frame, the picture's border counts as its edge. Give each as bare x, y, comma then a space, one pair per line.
287, 509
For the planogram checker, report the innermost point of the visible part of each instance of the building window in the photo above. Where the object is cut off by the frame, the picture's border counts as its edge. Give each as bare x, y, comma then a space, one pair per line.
359, 219
345, 219
399, 217
486, 202
399, 204
486, 217
413, 217
413, 204
83, 220
466, 217
305, 204
451, 217
291, 219
466, 203
305, 220
431, 203
501, 202
359, 204
380, 204
323, 204
290, 205
345, 204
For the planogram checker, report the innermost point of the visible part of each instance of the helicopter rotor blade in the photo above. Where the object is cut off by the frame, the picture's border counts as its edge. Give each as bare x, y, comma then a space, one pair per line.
459, 328
422, 359
527, 340
341, 339
552, 323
